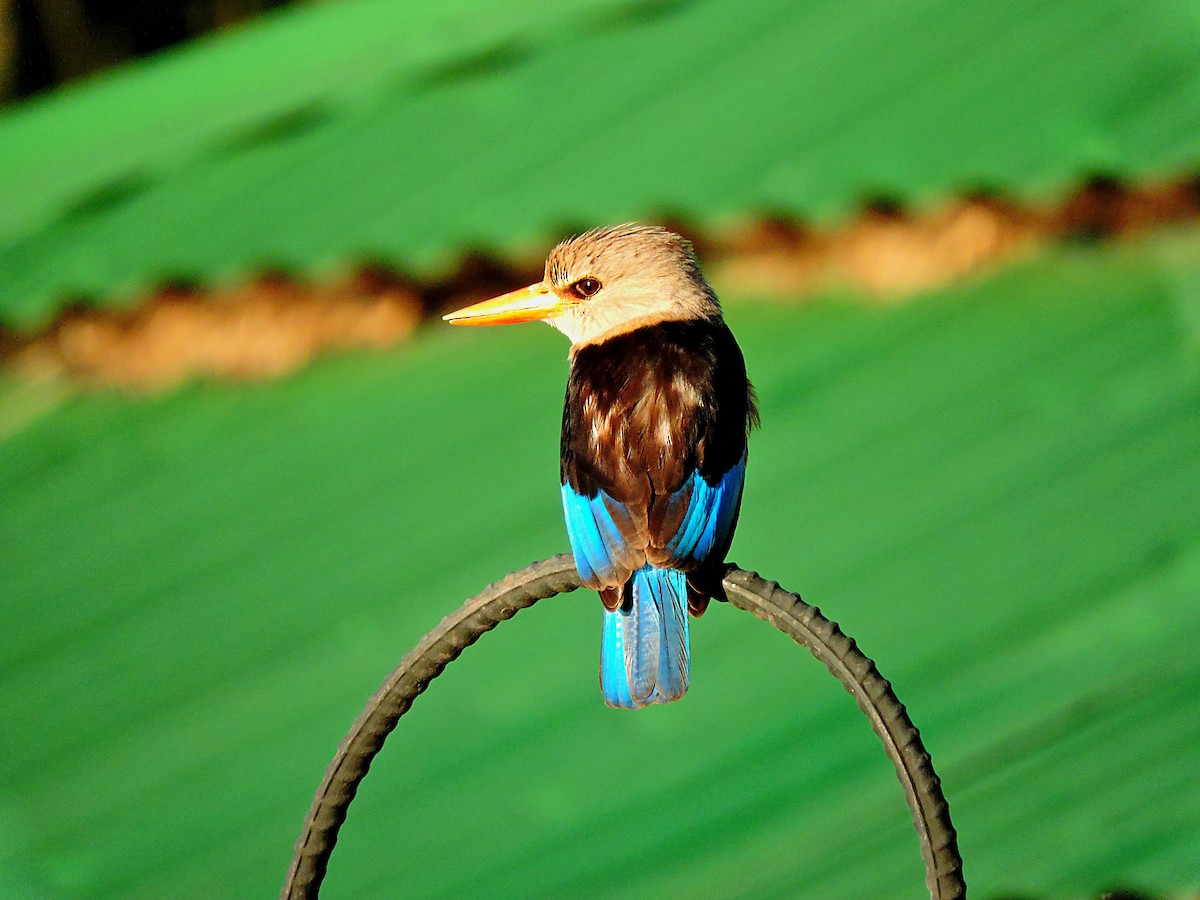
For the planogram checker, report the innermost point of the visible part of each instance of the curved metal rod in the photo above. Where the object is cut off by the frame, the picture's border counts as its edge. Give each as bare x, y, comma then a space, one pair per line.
875, 697
557, 575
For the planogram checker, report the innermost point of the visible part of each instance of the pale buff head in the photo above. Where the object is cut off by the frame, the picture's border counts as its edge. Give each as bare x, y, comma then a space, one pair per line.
614, 279
607, 282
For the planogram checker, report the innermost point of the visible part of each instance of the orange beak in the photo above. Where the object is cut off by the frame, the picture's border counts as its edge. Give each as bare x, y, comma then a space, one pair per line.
526, 305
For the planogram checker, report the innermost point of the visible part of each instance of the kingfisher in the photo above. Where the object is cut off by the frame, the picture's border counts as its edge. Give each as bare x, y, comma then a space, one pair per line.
653, 446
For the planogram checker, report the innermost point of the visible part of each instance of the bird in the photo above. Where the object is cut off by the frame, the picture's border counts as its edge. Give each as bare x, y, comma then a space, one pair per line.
653, 447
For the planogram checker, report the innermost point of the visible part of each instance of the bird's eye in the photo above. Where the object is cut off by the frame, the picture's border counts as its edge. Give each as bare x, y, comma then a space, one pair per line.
584, 288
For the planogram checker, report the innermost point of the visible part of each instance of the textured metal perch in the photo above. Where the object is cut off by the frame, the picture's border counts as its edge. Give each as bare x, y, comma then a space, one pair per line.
745, 590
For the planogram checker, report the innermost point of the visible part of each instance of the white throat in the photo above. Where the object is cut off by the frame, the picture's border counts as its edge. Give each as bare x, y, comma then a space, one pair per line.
589, 323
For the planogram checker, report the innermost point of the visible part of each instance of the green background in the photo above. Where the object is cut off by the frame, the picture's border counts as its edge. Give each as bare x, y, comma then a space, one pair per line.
379, 130
995, 488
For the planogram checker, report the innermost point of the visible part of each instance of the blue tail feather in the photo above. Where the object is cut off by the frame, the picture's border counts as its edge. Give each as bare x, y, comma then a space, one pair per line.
644, 654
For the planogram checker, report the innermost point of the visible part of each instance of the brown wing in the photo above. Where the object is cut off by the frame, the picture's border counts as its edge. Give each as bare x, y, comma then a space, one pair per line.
644, 411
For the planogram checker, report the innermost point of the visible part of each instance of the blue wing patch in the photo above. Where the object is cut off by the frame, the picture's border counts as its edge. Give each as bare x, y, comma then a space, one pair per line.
708, 521
602, 555
644, 654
